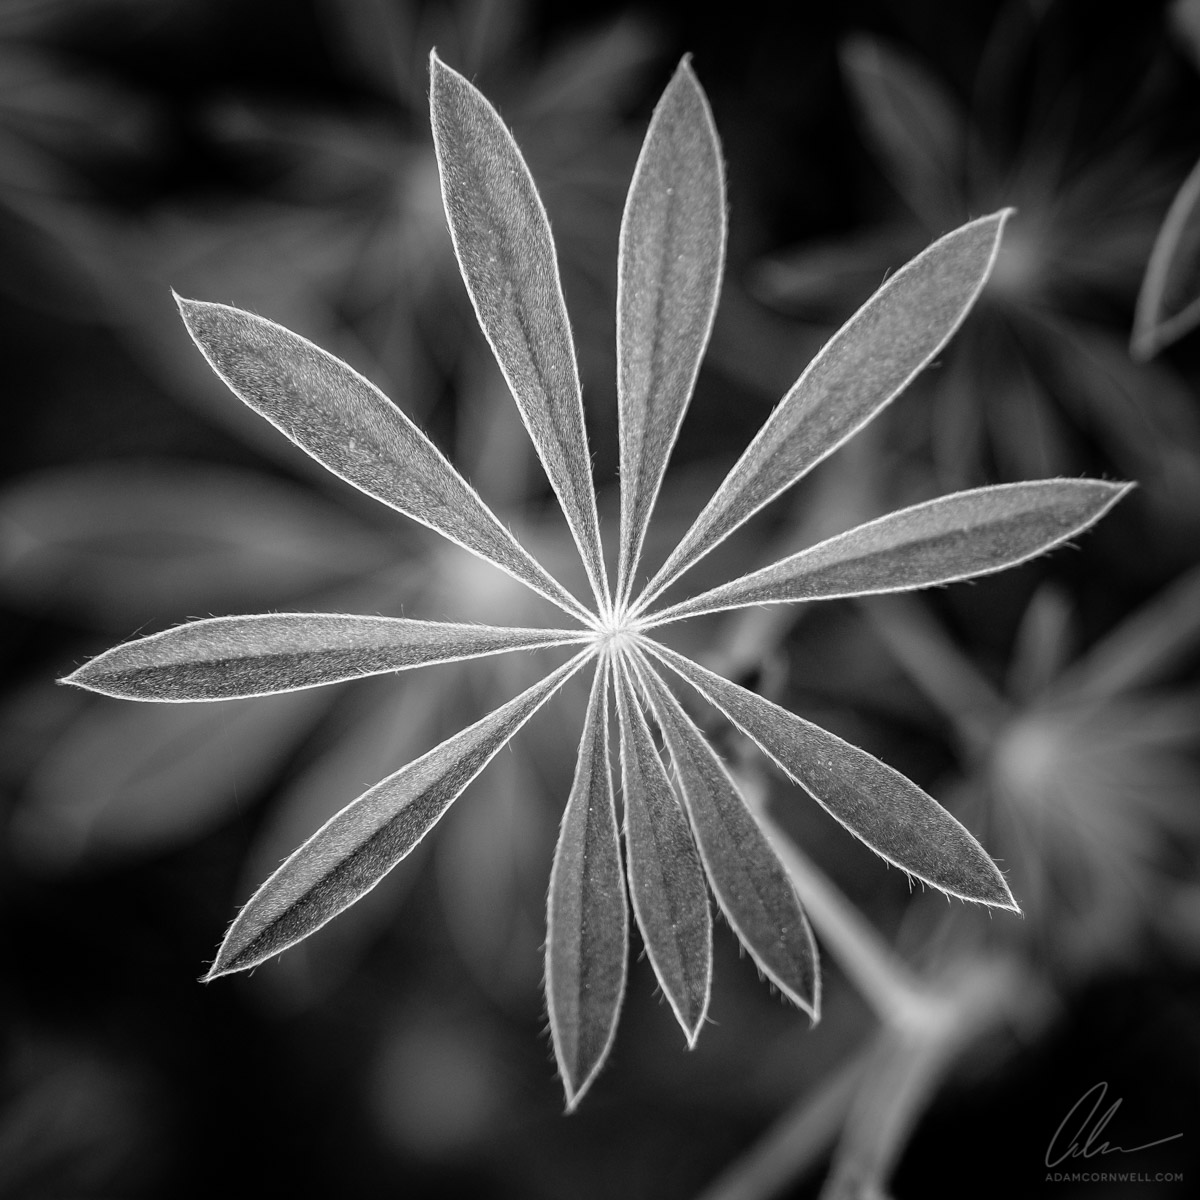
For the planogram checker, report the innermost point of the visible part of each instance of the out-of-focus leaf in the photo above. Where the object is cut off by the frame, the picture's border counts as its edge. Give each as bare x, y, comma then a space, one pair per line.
52, 115
1159, 638
350, 427
666, 879
113, 541
918, 129
747, 878
505, 250
893, 816
672, 253
817, 279
1184, 19
353, 850
1168, 304
954, 537
224, 658
123, 782
863, 366
1145, 413
587, 918
588, 78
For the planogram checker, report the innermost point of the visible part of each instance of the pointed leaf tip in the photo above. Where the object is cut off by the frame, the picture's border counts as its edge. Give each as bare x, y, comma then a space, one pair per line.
964, 535
587, 921
666, 878
350, 427
226, 658
358, 846
880, 806
507, 257
746, 876
670, 263
901, 328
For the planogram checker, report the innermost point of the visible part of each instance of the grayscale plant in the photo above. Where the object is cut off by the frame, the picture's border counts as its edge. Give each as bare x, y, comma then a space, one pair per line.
1168, 306
1039, 373
686, 827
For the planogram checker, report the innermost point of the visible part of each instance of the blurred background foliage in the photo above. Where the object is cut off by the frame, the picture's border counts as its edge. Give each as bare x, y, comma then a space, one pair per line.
275, 154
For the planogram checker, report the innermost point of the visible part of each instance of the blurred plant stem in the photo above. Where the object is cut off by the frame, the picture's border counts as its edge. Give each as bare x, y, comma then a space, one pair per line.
888, 985
876, 1096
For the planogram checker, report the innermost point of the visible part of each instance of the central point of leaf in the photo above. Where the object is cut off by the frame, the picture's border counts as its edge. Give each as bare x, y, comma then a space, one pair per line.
619, 631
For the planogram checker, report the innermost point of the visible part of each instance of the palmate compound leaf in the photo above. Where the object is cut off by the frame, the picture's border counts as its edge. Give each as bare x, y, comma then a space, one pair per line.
223, 658
746, 876
666, 879
865, 365
672, 252
349, 426
1168, 305
587, 915
502, 238
354, 849
954, 537
887, 811
508, 259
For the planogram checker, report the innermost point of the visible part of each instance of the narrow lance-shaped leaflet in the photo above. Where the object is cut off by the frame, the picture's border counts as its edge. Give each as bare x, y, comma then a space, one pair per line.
666, 879
919, 131
587, 913
746, 876
1168, 304
883, 808
671, 256
865, 365
350, 427
357, 847
506, 253
227, 658
955, 537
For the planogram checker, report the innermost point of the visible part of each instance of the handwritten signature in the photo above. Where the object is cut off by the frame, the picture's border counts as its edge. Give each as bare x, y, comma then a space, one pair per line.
1078, 1135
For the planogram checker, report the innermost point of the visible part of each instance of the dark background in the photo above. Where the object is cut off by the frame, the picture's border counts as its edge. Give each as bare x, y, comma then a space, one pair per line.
276, 155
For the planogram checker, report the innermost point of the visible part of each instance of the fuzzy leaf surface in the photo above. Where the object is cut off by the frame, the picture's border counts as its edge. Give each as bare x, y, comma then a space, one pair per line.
666, 879
224, 658
887, 811
1168, 304
354, 849
954, 537
349, 426
747, 878
868, 362
672, 253
587, 919
502, 238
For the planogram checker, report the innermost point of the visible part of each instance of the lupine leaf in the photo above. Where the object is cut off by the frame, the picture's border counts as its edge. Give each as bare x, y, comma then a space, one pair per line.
1168, 304
587, 918
888, 812
747, 878
666, 879
223, 658
349, 426
672, 252
502, 239
354, 849
954, 537
860, 369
